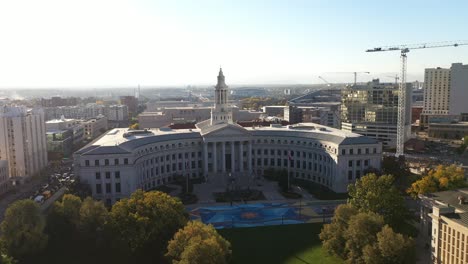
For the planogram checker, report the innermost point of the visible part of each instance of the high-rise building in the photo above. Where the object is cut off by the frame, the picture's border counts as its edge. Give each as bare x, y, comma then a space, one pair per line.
372, 110
23, 141
4, 179
117, 113
445, 93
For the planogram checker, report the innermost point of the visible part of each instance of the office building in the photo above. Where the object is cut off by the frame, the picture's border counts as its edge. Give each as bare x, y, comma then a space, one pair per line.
372, 110
94, 127
131, 102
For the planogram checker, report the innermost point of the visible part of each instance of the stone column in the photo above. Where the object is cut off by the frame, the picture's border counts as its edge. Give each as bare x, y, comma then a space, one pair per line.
205, 158
215, 158
249, 156
233, 160
241, 156
223, 156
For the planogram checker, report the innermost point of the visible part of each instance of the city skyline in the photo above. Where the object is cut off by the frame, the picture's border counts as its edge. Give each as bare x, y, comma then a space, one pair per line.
121, 43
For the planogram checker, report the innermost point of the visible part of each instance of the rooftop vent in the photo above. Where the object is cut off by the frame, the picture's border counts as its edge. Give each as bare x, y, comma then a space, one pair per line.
461, 199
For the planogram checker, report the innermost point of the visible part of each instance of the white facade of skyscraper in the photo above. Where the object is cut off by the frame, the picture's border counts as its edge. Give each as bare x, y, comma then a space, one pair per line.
23, 140
445, 93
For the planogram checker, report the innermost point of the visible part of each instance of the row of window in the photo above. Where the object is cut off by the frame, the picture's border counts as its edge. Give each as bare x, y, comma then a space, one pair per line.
106, 162
108, 188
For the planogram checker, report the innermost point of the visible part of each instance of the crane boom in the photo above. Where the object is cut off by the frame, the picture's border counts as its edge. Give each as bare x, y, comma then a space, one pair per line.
404, 49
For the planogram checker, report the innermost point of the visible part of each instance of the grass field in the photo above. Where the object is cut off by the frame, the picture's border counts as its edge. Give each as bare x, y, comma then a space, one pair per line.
286, 244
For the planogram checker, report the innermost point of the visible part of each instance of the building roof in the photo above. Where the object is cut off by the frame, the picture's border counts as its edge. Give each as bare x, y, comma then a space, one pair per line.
451, 198
461, 218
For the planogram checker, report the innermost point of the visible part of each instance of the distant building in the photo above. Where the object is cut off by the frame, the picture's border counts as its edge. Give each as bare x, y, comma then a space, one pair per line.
4, 178
59, 101
188, 115
274, 110
292, 114
416, 110
131, 102
75, 112
94, 127
63, 123
23, 141
117, 113
445, 91
444, 224
448, 130
59, 144
372, 110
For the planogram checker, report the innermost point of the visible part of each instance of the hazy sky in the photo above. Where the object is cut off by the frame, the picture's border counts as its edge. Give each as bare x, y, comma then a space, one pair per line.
48, 43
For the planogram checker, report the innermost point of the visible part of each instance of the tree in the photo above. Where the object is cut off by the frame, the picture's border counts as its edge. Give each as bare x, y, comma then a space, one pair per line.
441, 179
361, 231
144, 223
93, 216
378, 195
23, 230
332, 234
198, 243
63, 220
391, 248
135, 126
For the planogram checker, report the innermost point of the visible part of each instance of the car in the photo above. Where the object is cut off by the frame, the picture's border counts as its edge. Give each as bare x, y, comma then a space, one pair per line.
39, 199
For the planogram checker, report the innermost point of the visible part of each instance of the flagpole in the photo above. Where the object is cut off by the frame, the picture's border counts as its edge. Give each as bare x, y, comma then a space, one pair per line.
188, 173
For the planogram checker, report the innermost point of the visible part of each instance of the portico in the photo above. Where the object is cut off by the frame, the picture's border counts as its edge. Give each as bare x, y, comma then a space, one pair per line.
227, 157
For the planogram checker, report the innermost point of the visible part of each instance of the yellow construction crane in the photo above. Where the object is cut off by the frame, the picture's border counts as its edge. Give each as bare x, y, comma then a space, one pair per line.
404, 49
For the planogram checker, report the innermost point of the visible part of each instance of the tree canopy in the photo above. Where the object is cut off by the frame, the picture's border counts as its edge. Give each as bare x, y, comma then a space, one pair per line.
378, 194
198, 243
144, 223
23, 230
363, 237
440, 179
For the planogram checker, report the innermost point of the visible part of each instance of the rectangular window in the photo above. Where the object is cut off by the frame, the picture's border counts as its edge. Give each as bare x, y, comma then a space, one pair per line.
358, 174
117, 174
108, 188
98, 188
343, 152
98, 175
108, 174
96, 162
86, 162
359, 151
350, 163
125, 161
278, 162
116, 161
366, 162
117, 187
350, 175
265, 151
106, 162
351, 152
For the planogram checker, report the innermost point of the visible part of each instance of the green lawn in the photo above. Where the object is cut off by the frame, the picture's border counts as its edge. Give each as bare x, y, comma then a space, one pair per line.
287, 244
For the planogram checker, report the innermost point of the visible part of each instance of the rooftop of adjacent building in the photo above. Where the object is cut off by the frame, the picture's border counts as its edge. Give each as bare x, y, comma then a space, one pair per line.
452, 204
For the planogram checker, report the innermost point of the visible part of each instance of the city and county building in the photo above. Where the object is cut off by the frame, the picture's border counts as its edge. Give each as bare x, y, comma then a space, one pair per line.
445, 91
23, 141
444, 223
220, 151
372, 110
4, 178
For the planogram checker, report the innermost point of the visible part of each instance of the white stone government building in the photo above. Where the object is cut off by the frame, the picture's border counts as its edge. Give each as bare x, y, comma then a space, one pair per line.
124, 160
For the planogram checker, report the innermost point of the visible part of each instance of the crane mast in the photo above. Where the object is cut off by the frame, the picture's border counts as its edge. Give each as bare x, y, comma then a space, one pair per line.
404, 49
